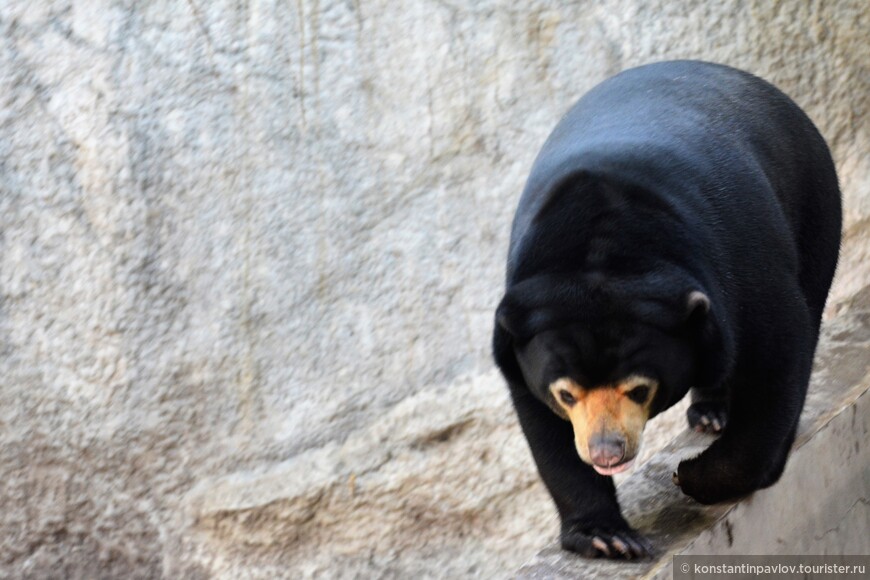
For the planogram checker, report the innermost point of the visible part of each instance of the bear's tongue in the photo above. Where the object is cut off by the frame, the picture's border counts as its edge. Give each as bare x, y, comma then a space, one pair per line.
615, 469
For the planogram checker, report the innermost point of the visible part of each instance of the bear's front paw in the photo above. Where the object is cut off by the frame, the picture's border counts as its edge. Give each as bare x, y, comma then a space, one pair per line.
596, 542
707, 417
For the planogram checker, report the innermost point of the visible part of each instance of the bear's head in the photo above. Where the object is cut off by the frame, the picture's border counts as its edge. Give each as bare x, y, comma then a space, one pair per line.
607, 356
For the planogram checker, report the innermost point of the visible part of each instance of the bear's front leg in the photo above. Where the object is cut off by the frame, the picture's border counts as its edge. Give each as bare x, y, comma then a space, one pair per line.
708, 412
592, 524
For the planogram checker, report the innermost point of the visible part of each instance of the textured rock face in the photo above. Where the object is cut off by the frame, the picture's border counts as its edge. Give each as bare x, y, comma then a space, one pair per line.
249, 255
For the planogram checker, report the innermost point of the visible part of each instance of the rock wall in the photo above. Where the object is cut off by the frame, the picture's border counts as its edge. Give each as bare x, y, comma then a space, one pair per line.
254, 248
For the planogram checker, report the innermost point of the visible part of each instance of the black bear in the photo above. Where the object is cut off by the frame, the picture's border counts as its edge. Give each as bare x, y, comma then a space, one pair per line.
679, 230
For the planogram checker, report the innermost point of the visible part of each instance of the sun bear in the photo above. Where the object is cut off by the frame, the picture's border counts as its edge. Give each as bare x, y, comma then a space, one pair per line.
678, 233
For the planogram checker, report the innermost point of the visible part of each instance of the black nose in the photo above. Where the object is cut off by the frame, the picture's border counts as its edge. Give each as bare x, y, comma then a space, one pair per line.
606, 450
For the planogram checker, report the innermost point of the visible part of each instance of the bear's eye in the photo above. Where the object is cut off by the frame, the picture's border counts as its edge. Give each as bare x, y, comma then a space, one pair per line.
567, 397
639, 394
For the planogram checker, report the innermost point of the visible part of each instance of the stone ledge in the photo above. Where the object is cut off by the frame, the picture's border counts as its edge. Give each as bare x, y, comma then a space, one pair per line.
821, 505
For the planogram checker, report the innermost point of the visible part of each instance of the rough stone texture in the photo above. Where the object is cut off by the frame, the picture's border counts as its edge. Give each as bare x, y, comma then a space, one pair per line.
821, 504
423, 498
261, 243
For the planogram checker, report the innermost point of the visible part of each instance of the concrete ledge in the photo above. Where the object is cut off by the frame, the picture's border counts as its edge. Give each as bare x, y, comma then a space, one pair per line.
821, 505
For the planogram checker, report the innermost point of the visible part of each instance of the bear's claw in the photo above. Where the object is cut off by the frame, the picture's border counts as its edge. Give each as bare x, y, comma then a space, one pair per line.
707, 417
622, 544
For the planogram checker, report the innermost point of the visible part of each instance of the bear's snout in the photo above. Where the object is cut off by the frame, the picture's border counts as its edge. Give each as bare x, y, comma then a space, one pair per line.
606, 450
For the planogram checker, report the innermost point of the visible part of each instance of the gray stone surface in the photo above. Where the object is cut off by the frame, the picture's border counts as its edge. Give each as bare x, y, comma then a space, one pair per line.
262, 242
819, 506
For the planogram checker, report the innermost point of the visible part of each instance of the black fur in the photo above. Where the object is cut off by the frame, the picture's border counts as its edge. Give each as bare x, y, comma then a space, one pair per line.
665, 180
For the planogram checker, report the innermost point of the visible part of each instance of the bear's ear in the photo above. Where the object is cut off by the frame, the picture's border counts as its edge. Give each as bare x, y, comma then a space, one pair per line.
697, 306
505, 358
508, 317
527, 309
697, 318
514, 323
